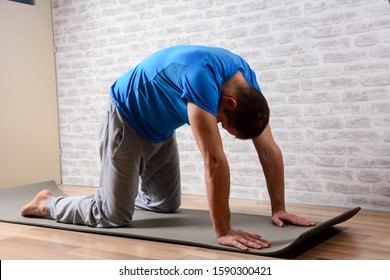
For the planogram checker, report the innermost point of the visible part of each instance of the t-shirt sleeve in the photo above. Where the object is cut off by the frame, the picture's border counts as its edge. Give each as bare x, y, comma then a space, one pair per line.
202, 87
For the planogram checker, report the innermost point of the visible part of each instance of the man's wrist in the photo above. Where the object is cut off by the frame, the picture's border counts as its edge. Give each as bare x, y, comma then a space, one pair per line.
278, 209
220, 233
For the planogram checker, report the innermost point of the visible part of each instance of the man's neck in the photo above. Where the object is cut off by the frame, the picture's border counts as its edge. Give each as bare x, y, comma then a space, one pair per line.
229, 88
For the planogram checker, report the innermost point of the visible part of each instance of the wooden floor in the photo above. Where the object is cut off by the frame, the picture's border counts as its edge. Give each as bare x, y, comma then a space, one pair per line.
365, 236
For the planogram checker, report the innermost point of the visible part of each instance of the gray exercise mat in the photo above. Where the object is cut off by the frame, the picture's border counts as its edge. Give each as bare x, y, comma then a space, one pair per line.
186, 226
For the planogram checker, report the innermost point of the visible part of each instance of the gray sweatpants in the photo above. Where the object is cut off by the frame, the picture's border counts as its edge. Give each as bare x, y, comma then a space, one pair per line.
135, 173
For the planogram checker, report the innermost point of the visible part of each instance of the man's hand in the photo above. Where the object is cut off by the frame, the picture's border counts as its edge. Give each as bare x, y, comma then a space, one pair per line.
282, 216
243, 240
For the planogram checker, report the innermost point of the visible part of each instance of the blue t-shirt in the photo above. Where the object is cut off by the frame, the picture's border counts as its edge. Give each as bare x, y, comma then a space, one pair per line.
153, 95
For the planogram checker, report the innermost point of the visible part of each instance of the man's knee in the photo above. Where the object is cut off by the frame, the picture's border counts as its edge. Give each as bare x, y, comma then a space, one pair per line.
168, 207
115, 218
161, 206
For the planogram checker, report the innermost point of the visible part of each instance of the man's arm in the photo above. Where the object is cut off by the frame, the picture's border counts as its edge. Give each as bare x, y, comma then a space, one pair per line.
217, 176
271, 159
216, 168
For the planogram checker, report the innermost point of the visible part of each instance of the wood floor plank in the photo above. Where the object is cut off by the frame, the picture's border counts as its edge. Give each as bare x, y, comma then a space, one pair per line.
28, 248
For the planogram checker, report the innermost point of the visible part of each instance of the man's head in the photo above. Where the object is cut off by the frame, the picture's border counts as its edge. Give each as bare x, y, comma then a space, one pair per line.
245, 114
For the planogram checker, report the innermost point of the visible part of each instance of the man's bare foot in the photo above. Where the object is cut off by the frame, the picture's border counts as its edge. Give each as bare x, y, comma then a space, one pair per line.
36, 208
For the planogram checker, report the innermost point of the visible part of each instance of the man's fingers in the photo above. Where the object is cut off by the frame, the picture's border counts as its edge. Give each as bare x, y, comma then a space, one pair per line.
308, 222
245, 244
260, 241
278, 219
255, 240
258, 244
301, 222
244, 240
240, 245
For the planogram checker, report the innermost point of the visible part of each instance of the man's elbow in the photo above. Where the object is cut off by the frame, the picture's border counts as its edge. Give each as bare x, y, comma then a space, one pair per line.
272, 152
210, 162
214, 161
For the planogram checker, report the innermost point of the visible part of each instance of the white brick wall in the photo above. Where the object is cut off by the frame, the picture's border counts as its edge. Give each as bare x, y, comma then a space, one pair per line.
324, 66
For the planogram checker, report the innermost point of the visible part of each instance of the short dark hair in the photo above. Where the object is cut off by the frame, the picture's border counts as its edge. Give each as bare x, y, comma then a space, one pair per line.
251, 116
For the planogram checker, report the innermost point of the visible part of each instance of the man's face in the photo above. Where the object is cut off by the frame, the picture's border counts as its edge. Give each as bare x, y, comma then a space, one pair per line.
222, 118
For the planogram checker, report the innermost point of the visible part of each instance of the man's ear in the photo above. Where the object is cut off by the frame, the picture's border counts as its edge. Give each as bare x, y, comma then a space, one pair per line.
229, 102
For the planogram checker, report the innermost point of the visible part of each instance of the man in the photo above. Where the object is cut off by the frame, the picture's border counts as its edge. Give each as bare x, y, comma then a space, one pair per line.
197, 85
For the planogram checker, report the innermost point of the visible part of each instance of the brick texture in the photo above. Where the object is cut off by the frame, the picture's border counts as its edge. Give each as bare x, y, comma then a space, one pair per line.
323, 65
